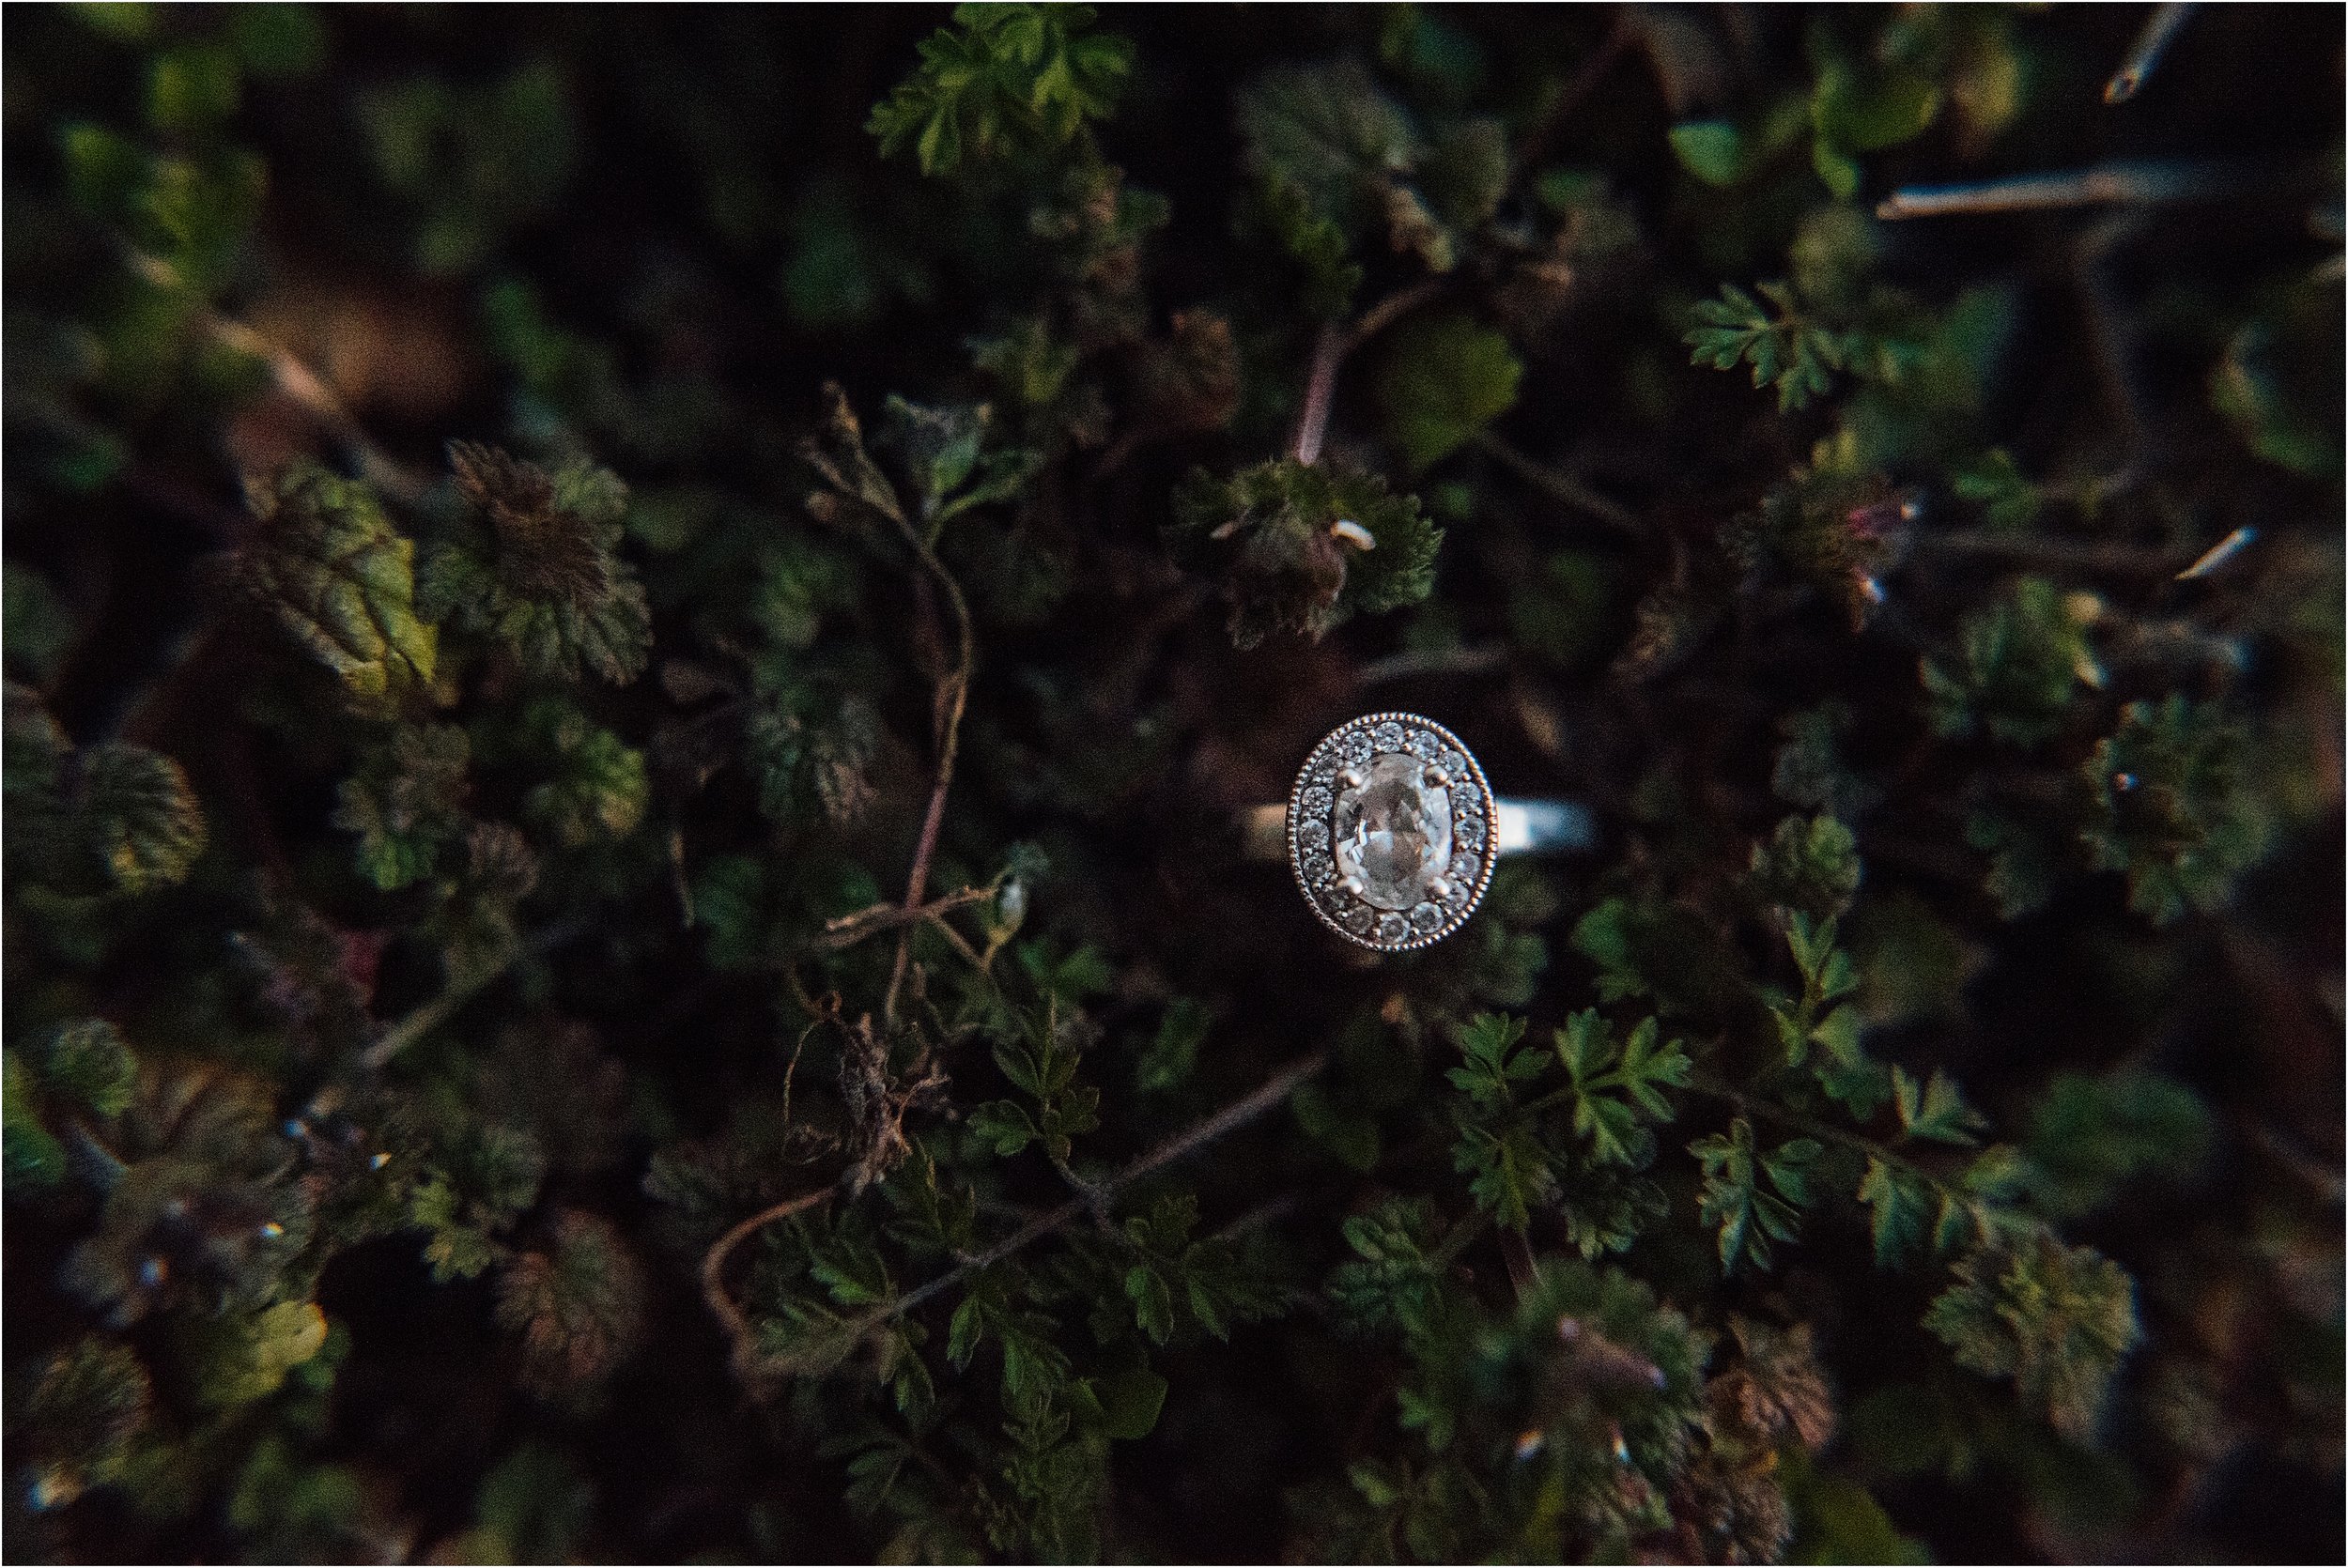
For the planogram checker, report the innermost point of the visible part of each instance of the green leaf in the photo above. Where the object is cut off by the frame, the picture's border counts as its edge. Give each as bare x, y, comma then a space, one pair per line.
1510, 1171
1898, 1202
89, 1062
1938, 1111
1130, 1401
1003, 76
538, 567
36, 624
1810, 866
240, 1360
2174, 806
1994, 482
1786, 350
140, 816
1172, 1055
2093, 1140
1004, 1126
2055, 1320
1871, 111
1351, 1135
1268, 533
1712, 150
1154, 1303
2021, 661
1442, 380
599, 791
1395, 1281
1748, 1218
191, 88
405, 804
341, 581
1491, 1061
33, 1158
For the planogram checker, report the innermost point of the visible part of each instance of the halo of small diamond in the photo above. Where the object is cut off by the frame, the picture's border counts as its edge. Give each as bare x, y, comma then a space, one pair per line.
1313, 803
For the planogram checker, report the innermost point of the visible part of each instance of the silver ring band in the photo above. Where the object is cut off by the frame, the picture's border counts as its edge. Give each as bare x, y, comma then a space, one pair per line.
1392, 831
1519, 828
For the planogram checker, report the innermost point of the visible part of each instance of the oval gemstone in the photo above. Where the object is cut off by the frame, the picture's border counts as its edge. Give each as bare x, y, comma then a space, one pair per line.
1393, 832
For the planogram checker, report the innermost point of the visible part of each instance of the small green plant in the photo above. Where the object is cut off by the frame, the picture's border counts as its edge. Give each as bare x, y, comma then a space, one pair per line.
632, 639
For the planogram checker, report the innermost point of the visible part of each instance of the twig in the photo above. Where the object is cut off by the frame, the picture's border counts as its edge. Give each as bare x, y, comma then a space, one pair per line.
1387, 312
849, 930
1560, 486
1440, 661
1329, 352
1535, 142
1321, 389
2105, 184
953, 693
461, 989
731, 1317
1100, 1196
297, 382
2128, 559
2161, 30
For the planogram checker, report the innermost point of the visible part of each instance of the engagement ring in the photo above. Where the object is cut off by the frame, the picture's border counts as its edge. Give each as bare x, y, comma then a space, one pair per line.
1392, 830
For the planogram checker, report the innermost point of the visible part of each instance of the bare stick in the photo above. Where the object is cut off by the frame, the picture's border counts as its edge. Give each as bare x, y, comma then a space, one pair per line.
849, 930
2092, 555
463, 988
1312, 425
2161, 30
1229, 1119
2105, 184
953, 693
1536, 141
1387, 312
1560, 486
297, 382
1329, 352
729, 1317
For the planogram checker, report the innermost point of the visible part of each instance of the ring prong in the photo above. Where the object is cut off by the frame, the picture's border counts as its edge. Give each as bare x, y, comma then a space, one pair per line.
1437, 779
1439, 889
1352, 778
1351, 886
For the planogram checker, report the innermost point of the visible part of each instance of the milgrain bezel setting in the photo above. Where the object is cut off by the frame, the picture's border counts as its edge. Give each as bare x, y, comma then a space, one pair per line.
1312, 825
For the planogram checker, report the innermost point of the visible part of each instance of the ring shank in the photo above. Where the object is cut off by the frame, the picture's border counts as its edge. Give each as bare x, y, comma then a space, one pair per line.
1520, 827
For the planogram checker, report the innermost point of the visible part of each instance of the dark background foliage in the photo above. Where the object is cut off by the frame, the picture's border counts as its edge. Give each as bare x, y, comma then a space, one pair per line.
450, 885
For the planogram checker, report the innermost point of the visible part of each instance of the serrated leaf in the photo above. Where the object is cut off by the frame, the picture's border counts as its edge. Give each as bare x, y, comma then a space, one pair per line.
341, 580
1937, 1112
1006, 1127
1898, 1202
139, 815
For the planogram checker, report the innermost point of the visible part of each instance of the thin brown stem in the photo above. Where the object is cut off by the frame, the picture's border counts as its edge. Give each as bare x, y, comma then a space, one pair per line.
412, 1027
1320, 390
1534, 145
2089, 554
1393, 308
2105, 184
298, 383
1233, 1116
849, 930
721, 1304
1560, 486
953, 693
